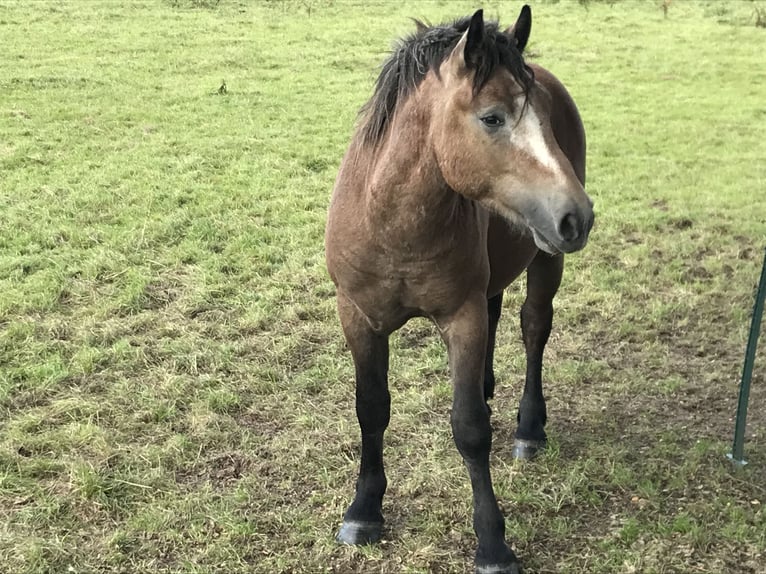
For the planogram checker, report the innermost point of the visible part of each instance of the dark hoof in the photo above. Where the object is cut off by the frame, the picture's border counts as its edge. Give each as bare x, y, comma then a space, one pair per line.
356, 532
526, 449
512, 568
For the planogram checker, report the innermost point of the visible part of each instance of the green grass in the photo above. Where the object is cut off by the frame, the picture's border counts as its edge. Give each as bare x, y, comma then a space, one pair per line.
175, 395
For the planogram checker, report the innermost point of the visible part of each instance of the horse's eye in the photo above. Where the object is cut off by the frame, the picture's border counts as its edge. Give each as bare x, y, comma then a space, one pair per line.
493, 121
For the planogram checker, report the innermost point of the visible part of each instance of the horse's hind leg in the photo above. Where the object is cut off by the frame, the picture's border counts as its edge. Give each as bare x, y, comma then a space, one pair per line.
363, 521
543, 280
494, 308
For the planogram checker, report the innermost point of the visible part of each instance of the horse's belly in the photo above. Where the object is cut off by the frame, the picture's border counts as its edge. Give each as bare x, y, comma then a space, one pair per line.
510, 251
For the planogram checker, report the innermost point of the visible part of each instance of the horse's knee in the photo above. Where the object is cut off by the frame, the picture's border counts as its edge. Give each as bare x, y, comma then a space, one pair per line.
472, 433
373, 412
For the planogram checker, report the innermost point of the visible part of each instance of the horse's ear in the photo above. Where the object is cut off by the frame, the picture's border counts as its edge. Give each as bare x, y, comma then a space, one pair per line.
466, 53
421, 26
474, 37
519, 32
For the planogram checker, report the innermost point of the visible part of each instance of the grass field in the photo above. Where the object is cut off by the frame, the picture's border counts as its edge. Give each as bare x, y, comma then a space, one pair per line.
175, 395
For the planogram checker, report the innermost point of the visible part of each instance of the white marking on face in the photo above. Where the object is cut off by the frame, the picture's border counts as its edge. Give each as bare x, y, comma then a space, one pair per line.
527, 135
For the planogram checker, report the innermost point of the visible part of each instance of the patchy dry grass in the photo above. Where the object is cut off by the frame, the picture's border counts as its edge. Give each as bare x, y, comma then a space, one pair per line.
175, 395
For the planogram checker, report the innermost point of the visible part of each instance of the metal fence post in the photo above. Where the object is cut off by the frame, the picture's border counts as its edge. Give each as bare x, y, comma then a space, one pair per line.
738, 448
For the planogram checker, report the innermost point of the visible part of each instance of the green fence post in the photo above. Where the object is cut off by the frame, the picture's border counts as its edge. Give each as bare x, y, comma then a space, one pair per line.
738, 448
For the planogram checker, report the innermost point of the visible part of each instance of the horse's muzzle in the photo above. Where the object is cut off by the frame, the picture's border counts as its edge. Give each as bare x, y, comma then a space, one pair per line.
566, 231
573, 229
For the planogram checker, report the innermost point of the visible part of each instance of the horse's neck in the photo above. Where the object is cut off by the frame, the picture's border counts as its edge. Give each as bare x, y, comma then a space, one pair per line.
407, 196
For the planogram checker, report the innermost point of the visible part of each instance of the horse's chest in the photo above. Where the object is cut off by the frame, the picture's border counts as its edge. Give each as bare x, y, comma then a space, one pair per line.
389, 290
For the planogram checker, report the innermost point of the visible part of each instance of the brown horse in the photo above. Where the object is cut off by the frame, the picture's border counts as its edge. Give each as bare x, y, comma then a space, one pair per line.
467, 168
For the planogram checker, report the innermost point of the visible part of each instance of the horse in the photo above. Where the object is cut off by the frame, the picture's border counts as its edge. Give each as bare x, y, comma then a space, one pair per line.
467, 168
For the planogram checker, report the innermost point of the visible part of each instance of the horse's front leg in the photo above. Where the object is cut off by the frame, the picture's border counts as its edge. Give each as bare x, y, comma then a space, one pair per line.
543, 280
363, 521
465, 333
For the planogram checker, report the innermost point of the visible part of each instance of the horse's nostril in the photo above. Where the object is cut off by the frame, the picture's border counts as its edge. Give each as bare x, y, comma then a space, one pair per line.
569, 228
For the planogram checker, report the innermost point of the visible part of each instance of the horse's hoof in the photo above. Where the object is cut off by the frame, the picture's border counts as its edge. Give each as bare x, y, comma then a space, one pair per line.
356, 532
526, 449
512, 568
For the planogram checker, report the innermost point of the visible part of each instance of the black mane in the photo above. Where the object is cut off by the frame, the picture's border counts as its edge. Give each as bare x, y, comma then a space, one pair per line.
425, 50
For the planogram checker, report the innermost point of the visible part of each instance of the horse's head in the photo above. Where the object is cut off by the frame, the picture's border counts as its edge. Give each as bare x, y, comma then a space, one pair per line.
494, 139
